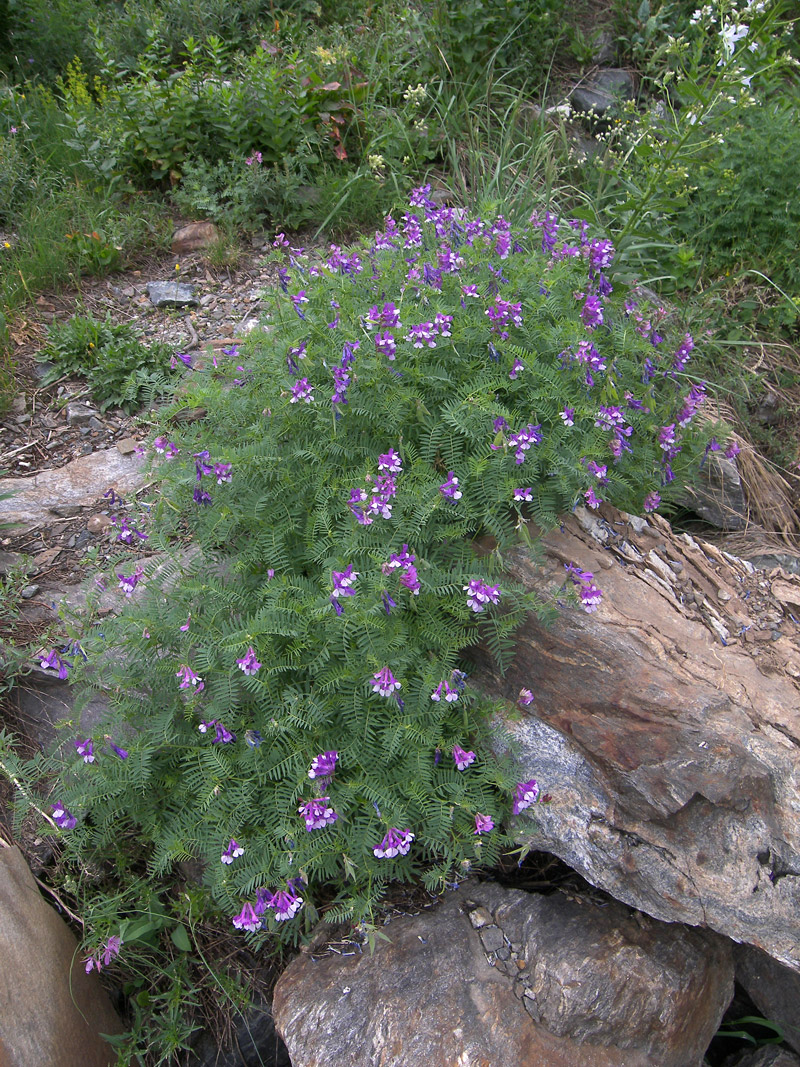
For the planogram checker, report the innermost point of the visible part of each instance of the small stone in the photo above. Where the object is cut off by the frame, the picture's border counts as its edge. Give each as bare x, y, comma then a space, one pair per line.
79, 414
72, 540
492, 938
82, 539
480, 917
95, 424
20, 420
29, 591
98, 524
19, 403
171, 294
194, 236
127, 445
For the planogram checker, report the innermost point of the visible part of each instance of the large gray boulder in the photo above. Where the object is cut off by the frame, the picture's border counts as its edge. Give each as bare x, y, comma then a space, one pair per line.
666, 728
498, 976
51, 1012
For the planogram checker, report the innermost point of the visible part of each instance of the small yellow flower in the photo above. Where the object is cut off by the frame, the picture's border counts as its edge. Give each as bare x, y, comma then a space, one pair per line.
177, 266
6, 244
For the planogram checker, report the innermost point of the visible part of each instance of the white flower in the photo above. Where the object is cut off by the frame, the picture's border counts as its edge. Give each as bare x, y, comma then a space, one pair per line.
730, 35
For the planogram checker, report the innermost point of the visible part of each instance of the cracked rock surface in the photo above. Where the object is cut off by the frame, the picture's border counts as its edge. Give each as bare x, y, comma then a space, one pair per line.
666, 728
499, 976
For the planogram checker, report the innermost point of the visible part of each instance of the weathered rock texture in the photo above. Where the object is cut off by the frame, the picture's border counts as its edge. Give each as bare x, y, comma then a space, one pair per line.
70, 490
51, 1012
194, 236
774, 989
497, 976
665, 729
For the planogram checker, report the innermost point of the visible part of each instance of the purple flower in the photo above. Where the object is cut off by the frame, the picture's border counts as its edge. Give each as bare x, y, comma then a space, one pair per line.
461, 758
422, 334
443, 324
53, 661
601, 253
286, 904
518, 366
390, 461
450, 488
247, 919
200, 496
223, 736
525, 698
231, 852
450, 694
388, 603
185, 358
666, 437
385, 344
609, 418
483, 824
732, 451
301, 390
222, 471
589, 594
652, 501
126, 532
479, 594
568, 415
343, 582
591, 597
111, 950
682, 353
592, 312
470, 290
525, 794
128, 584
298, 300
410, 579
384, 683
523, 440
86, 749
189, 678
592, 500
317, 813
248, 663
600, 472
64, 819
323, 765
524, 494
117, 750
395, 843
402, 559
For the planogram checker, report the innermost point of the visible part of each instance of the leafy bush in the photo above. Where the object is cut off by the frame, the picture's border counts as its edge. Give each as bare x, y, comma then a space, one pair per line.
296, 704
516, 35
744, 210
663, 166
119, 369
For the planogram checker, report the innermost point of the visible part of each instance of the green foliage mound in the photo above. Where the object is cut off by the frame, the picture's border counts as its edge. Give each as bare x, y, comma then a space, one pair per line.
291, 701
120, 370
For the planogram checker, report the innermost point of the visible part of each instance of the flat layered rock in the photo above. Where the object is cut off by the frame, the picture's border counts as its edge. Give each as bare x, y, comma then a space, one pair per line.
666, 728
70, 490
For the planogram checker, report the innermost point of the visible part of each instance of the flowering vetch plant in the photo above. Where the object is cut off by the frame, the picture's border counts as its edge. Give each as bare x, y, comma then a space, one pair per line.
416, 340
